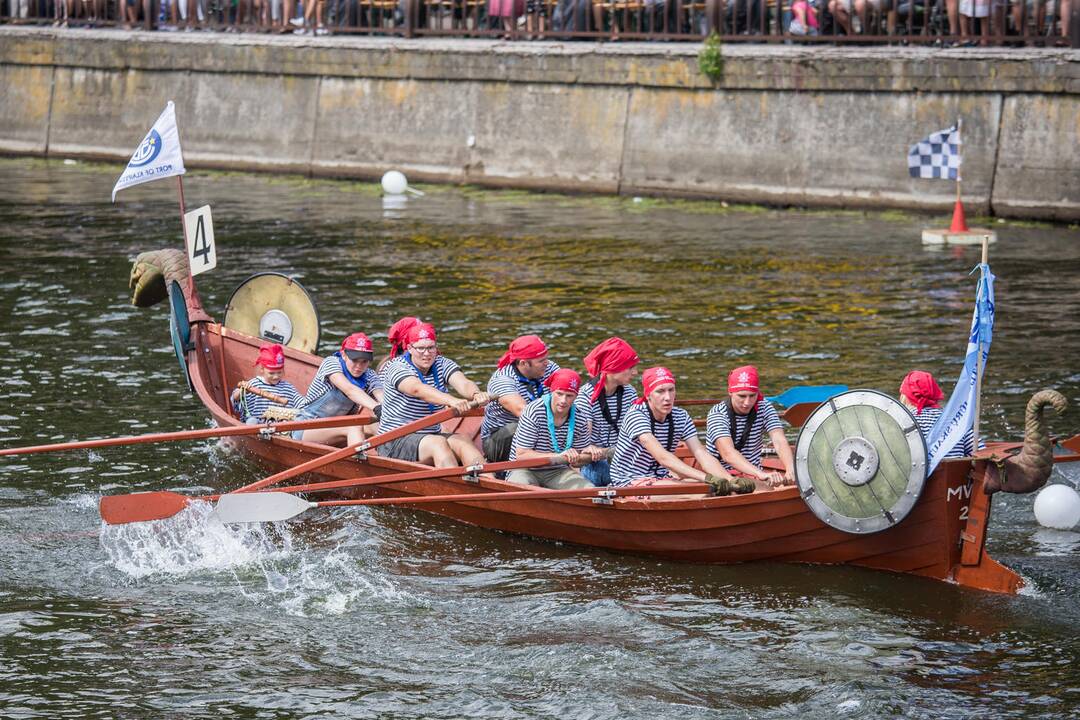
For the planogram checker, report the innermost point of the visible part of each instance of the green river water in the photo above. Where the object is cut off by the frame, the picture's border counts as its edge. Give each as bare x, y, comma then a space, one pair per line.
396, 613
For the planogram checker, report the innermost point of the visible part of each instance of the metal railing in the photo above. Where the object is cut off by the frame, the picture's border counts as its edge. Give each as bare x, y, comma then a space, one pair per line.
937, 22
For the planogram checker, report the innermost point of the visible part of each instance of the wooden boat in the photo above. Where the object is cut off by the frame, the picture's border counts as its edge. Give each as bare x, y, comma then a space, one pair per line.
943, 536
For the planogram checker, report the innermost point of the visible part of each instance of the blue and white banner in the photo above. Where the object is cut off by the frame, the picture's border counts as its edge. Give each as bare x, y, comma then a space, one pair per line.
959, 414
158, 155
936, 156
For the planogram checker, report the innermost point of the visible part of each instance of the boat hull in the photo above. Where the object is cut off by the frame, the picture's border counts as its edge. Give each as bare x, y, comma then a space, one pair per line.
768, 525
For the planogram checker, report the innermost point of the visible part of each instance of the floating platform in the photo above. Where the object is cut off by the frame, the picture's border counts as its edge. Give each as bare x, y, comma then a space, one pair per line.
945, 236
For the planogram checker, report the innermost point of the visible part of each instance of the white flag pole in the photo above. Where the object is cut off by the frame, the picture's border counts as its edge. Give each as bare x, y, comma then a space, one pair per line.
960, 137
979, 357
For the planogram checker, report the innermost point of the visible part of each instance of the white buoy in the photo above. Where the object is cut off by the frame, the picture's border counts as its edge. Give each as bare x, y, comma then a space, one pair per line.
1058, 507
394, 182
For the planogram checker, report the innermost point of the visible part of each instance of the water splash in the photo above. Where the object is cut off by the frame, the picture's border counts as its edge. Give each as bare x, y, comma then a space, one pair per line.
192, 541
263, 562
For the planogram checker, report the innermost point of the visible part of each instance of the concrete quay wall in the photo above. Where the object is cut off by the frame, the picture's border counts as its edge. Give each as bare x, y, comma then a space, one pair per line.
812, 125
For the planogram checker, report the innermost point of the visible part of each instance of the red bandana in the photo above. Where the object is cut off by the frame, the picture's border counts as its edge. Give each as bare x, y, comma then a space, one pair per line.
614, 355
526, 347
397, 332
744, 379
420, 331
271, 357
564, 379
921, 389
653, 378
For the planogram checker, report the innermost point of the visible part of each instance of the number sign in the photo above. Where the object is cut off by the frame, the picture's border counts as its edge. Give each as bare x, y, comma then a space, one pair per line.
199, 235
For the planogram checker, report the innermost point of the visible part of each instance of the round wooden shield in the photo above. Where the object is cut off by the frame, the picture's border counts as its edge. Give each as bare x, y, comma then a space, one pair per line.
276, 308
860, 461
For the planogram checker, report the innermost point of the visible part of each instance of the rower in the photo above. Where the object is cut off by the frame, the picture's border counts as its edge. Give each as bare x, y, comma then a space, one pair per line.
267, 389
653, 426
605, 398
735, 430
417, 383
921, 394
396, 335
343, 384
551, 426
518, 381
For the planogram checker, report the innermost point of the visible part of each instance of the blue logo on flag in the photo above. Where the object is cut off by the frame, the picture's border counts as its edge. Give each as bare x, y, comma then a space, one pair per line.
146, 152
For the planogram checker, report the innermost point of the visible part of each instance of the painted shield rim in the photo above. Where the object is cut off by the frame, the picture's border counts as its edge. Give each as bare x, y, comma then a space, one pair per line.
916, 476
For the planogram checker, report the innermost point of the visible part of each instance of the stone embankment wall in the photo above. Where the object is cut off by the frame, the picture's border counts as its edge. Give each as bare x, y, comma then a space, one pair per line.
812, 125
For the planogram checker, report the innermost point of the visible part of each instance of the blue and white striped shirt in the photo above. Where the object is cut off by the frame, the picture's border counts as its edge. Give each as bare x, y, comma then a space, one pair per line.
631, 459
401, 409
533, 432
320, 384
605, 432
250, 407
718, 425
965, 448
508, 381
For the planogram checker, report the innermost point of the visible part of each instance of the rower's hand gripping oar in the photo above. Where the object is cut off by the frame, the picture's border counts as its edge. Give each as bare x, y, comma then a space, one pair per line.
275, 506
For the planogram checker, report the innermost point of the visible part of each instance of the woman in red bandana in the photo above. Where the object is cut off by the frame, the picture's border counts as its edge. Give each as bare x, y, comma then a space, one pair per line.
268, 379
550, 426
416, 384
649, 434
397, 335
736, 429
518, 381
604, 400
921, 395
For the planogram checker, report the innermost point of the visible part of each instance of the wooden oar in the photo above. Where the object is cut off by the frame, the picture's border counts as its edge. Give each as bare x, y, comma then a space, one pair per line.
360, 447
277, 506
275, 427
162, 504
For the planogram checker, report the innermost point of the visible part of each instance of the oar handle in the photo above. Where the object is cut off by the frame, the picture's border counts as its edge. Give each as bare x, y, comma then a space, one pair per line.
203, 434
246, 386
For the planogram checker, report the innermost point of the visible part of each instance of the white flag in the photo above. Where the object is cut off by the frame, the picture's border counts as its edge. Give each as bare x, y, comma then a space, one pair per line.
158, 155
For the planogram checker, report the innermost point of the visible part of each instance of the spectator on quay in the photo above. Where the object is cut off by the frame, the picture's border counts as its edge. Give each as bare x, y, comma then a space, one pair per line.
841, 11
1038, 10
506, 11
313, 18
970, 10
62, 10
535, 18
805, 18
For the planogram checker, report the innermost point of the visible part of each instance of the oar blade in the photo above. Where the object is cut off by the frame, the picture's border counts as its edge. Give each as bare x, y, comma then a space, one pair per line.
798, 413
259, 507
141, 507
807, 394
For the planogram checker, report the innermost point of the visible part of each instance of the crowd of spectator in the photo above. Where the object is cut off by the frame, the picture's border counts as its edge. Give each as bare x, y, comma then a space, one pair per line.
942, 22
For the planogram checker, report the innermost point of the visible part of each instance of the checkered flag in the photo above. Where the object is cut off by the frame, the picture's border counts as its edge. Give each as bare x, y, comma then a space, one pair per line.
937, 156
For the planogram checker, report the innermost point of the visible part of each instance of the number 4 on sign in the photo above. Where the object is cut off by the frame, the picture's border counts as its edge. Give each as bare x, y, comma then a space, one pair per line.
199, 235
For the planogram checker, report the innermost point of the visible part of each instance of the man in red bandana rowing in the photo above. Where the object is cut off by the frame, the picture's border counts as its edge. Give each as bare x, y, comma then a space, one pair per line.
416, 384
921, 395
649, 434
550, 426
605, 398
736, 428
518, 381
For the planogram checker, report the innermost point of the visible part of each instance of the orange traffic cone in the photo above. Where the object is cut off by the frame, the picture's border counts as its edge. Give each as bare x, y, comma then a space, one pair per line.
959, 222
